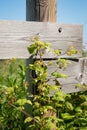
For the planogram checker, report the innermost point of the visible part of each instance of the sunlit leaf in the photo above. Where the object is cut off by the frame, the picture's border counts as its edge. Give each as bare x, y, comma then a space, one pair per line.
59, 75
69, 105
28, 119
78, 109
22, 102
67, 116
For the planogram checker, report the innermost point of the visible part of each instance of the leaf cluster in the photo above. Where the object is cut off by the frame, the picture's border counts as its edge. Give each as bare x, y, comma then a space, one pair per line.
51, 108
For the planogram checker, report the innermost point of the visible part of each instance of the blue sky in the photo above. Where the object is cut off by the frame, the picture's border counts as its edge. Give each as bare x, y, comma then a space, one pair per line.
68, 11
12, 9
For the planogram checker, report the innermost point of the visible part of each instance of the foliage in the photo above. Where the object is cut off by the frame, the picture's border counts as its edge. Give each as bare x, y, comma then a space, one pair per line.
84, 53
51, 108
48, 109
12, 90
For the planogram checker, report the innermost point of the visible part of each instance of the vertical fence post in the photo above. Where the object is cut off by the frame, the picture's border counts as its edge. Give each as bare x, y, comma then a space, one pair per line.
42, 11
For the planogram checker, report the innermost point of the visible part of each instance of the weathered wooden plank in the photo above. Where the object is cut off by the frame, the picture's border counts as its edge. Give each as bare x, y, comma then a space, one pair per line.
15, 37
83, 74
75, 74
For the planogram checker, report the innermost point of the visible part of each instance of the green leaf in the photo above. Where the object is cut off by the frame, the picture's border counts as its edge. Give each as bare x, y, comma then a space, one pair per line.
22, 102
62, 63
37, 118
84, 104
67, 116
69, 105
28, 119
78, 109
57, 52
10, 89
39, 43
50, 125
71, 50
29, 102
83, 128
32, 49
83, 97
50, 63
59, 75
55, 87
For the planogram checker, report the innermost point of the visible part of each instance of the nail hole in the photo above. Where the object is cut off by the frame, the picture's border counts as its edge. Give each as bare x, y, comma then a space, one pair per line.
60, 30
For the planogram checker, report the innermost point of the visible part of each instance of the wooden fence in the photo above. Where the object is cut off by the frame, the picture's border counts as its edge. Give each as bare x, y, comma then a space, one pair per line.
16, 36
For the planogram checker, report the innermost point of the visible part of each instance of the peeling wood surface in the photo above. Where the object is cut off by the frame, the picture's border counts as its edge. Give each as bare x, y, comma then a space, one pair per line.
15, 37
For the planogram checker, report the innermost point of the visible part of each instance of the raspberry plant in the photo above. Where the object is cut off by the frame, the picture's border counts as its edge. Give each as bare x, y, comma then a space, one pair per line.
47, 109
57, 111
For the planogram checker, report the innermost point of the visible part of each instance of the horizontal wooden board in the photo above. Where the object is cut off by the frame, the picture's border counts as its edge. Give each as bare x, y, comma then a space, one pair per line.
76, 72
15, 37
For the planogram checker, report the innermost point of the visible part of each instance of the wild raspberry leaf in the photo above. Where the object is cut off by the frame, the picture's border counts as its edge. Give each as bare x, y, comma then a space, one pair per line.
67, 116
59, 75
49, 124
22, 102
69, 106
71, 50
84, 104
37, 118
62, 63
10, 90
55, 87
57, 83
32, 49
28, 119
83, 97
57, 52
78, 110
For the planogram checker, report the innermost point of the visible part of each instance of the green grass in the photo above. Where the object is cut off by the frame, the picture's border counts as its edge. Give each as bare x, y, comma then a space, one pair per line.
9, 67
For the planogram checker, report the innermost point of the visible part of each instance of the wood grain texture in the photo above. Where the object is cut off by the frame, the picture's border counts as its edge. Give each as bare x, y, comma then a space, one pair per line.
74, 73
15, 37
46, 10
41, 10
83, 61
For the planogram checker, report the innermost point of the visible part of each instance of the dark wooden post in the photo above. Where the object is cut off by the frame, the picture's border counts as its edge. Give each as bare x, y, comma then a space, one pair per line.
41, 10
